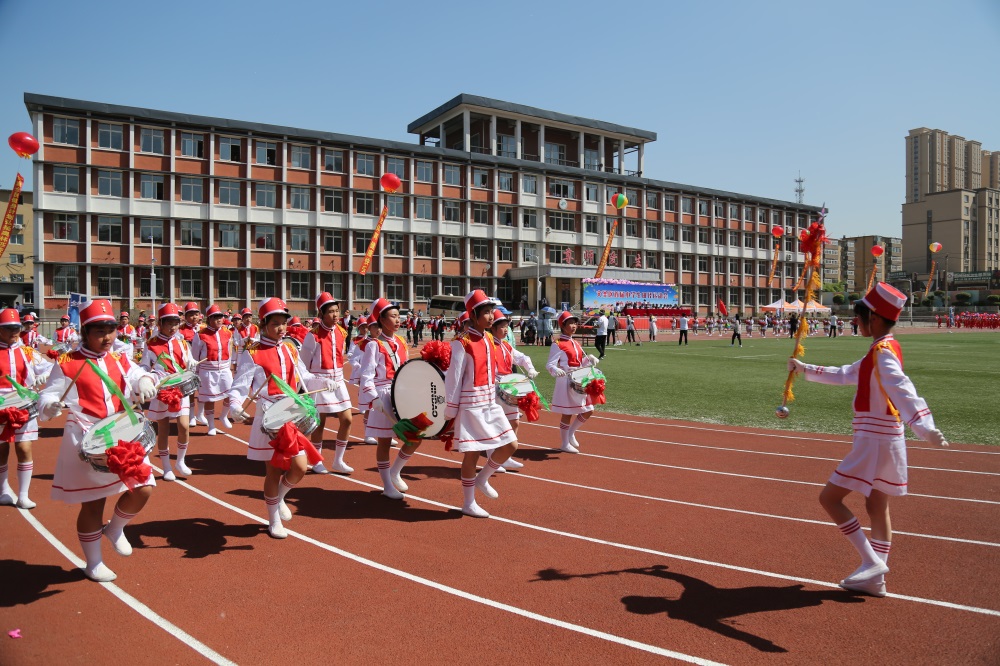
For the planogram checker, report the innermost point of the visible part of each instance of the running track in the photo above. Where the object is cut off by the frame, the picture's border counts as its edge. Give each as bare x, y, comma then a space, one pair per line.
662, 542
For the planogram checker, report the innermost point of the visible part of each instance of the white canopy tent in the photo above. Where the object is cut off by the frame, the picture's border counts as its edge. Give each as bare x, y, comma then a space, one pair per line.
777, 306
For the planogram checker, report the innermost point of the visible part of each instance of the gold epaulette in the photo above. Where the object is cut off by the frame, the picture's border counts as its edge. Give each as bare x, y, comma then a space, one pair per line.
400, 338
116, 355
343, 330
29, 352
63, 358
251, 347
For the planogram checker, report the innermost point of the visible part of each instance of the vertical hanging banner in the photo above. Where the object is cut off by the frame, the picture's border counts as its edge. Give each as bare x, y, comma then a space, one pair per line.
619, 201
390, 183
11, 214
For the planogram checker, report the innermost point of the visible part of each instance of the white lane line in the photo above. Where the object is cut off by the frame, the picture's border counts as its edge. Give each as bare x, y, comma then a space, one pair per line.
753, 451
447, 589
133, 603
748, 433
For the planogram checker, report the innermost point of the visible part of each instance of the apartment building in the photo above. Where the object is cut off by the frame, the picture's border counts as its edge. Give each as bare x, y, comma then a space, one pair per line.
17, 269
857, 260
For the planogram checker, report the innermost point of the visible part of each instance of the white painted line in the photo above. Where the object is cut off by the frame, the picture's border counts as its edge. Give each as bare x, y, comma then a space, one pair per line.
133, 603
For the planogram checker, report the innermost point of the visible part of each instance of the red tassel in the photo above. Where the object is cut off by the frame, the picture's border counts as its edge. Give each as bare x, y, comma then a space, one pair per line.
447, 435
53, 354
288, 443
171, 397
421, 421
127, 461
529, 404
438, 353
15, 419
299, 333
595, 392
811, 241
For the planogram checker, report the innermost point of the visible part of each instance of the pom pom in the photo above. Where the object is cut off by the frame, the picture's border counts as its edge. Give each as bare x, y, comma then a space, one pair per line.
299, 333
595, 391
127, 460
288, 443
14, 419
171, 397
438, 353
811, 241
529, 404
53, 354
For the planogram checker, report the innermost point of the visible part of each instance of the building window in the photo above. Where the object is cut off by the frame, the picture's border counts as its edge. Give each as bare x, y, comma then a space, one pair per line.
333, 160
334, 284
452, 211
452, 174
191, 234
301, 157
66, 130
652, 230
397, 166
425, 246
481, 213
505, 181
734, 238
229, 283
558, 254
229, 236
191, 283
364, 287
555, 153
687, 206
151, 231
529, 218
263, 237
192, 190
481, 178
395, 204
565, 189
16, 259
298, 285
561, 221
505, 251
301, 198
65, 280
591, 192
652, 200
425, 209
109, 183
267, 153
748, 266
333, 201
298, 239
687, 233
529, 253
590, 224
451, 286
229, 193
192, 145
17, 238
364, 203
364, 164
151, 141
703, 235
425, 171
505, 216
687, 264
230, 149
529, 183
333, 241
266, 195
480, 249
66, 179
394, 288
394, 244
361, 241
452, 247
423, 288
633, 197
748, 240
109, 282
263, 284
109, 136
762, 242
151, 186
702, 264
703, 208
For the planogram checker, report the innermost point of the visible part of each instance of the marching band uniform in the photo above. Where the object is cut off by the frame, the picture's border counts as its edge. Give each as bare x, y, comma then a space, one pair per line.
212, 350
89, 401
127, 334
189, 327
565, 356
354, 352
66, 335
30, 335
16, 361
165, 356
507, 357
246, 331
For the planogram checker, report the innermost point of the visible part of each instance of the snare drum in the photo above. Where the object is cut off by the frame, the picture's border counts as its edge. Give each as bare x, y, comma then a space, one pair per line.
287, 410
187, 381
28, 403
105, 433
62, 348
578, 379
513, 386
418, 388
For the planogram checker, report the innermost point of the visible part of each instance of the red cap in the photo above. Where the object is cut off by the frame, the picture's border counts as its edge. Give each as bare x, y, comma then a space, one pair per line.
565, 316
213, 310
464, 317
246, 311
362, 321
380, 306
885, 301
124, 313
28, 319
97, 311
498, 316
294, 321
226, 322
191, 306
474, 299
236, 315
64, 318
9, 317
168, 310
270, 306
323, 299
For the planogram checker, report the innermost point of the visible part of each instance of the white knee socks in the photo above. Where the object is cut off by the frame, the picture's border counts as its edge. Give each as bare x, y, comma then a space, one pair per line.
852, 530
90, 543
574, 425
168, 470
274, 526
6, 492
182, 448
23, 483
115, 531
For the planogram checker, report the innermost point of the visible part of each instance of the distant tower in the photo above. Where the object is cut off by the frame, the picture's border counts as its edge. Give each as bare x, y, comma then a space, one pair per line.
799, 189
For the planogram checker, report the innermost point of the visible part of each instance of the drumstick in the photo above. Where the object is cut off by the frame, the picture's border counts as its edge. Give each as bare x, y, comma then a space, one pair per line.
66, 392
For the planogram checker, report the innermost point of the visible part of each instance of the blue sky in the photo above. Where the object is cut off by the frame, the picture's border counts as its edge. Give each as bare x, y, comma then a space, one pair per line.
743, 96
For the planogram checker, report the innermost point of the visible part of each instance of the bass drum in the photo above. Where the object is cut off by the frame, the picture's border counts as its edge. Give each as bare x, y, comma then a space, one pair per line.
418, 388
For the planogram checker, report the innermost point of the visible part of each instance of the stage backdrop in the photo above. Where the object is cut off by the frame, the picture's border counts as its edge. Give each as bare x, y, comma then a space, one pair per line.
599, 294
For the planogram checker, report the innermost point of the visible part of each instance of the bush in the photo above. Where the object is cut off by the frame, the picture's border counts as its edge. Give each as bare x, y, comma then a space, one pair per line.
963, 297
839, 299
855, 296
993, 299
939, 293
927, 302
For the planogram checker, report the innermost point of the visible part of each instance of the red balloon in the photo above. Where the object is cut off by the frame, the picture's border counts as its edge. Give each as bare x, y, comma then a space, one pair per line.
389, 182
877, 251
23, 144
777, 231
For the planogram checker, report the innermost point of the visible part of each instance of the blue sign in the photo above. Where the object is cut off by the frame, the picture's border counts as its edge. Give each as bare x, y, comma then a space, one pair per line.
614, 294
76, 302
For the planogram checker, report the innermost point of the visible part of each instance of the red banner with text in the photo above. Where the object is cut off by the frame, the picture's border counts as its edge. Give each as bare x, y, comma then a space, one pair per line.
370, 252
11, 214
607, 251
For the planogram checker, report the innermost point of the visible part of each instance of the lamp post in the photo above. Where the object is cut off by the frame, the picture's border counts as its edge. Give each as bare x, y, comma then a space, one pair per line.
152, 276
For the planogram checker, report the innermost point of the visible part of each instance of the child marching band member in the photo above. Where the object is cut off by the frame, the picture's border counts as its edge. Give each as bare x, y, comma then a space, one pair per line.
258, 362
564, 357
127, 335
16, 360
384, 353
885, 402
66, 334
476, 422
374, 330
89, 400
167, 353
212, 350
246, 331
323, 355
141, 335
507, 357
189, 330
354, 350
30, 335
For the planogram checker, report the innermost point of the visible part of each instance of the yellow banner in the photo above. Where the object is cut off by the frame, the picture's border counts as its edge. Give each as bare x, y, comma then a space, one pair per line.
607, 251
370, 252
11, 214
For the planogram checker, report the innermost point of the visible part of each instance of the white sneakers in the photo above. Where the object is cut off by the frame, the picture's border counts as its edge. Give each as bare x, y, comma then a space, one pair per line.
866, 572
182, 468
873, 587
397, 481
341, 468
510, 463
119, 542
318, 468
100, 573
475, 511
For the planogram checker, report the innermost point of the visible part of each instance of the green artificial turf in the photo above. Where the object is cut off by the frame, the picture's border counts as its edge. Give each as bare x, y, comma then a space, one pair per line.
711, 382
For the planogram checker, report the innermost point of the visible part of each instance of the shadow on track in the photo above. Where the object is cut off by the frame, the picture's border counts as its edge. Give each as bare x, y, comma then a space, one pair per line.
197, 537
220, 464
350, 505
707, 606
25, 583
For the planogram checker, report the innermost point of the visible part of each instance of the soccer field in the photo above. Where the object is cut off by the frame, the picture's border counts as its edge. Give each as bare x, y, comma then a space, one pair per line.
711, 382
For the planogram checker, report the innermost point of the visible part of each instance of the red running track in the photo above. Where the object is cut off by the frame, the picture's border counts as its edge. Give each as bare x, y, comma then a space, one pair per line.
661, 541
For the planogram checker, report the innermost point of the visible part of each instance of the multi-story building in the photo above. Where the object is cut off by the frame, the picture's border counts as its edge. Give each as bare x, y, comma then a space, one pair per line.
857, 260
832, 262
512, 196
952, 198
17, 269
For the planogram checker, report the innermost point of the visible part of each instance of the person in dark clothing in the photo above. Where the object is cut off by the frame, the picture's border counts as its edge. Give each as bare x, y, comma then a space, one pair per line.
736, 331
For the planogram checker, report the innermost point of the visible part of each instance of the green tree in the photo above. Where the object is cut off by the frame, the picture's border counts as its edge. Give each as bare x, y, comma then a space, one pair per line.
839, 299
963, 297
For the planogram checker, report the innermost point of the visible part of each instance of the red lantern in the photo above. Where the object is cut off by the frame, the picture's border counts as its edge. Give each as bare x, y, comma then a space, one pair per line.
777, 231
23, 144
390, 182
877, 251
